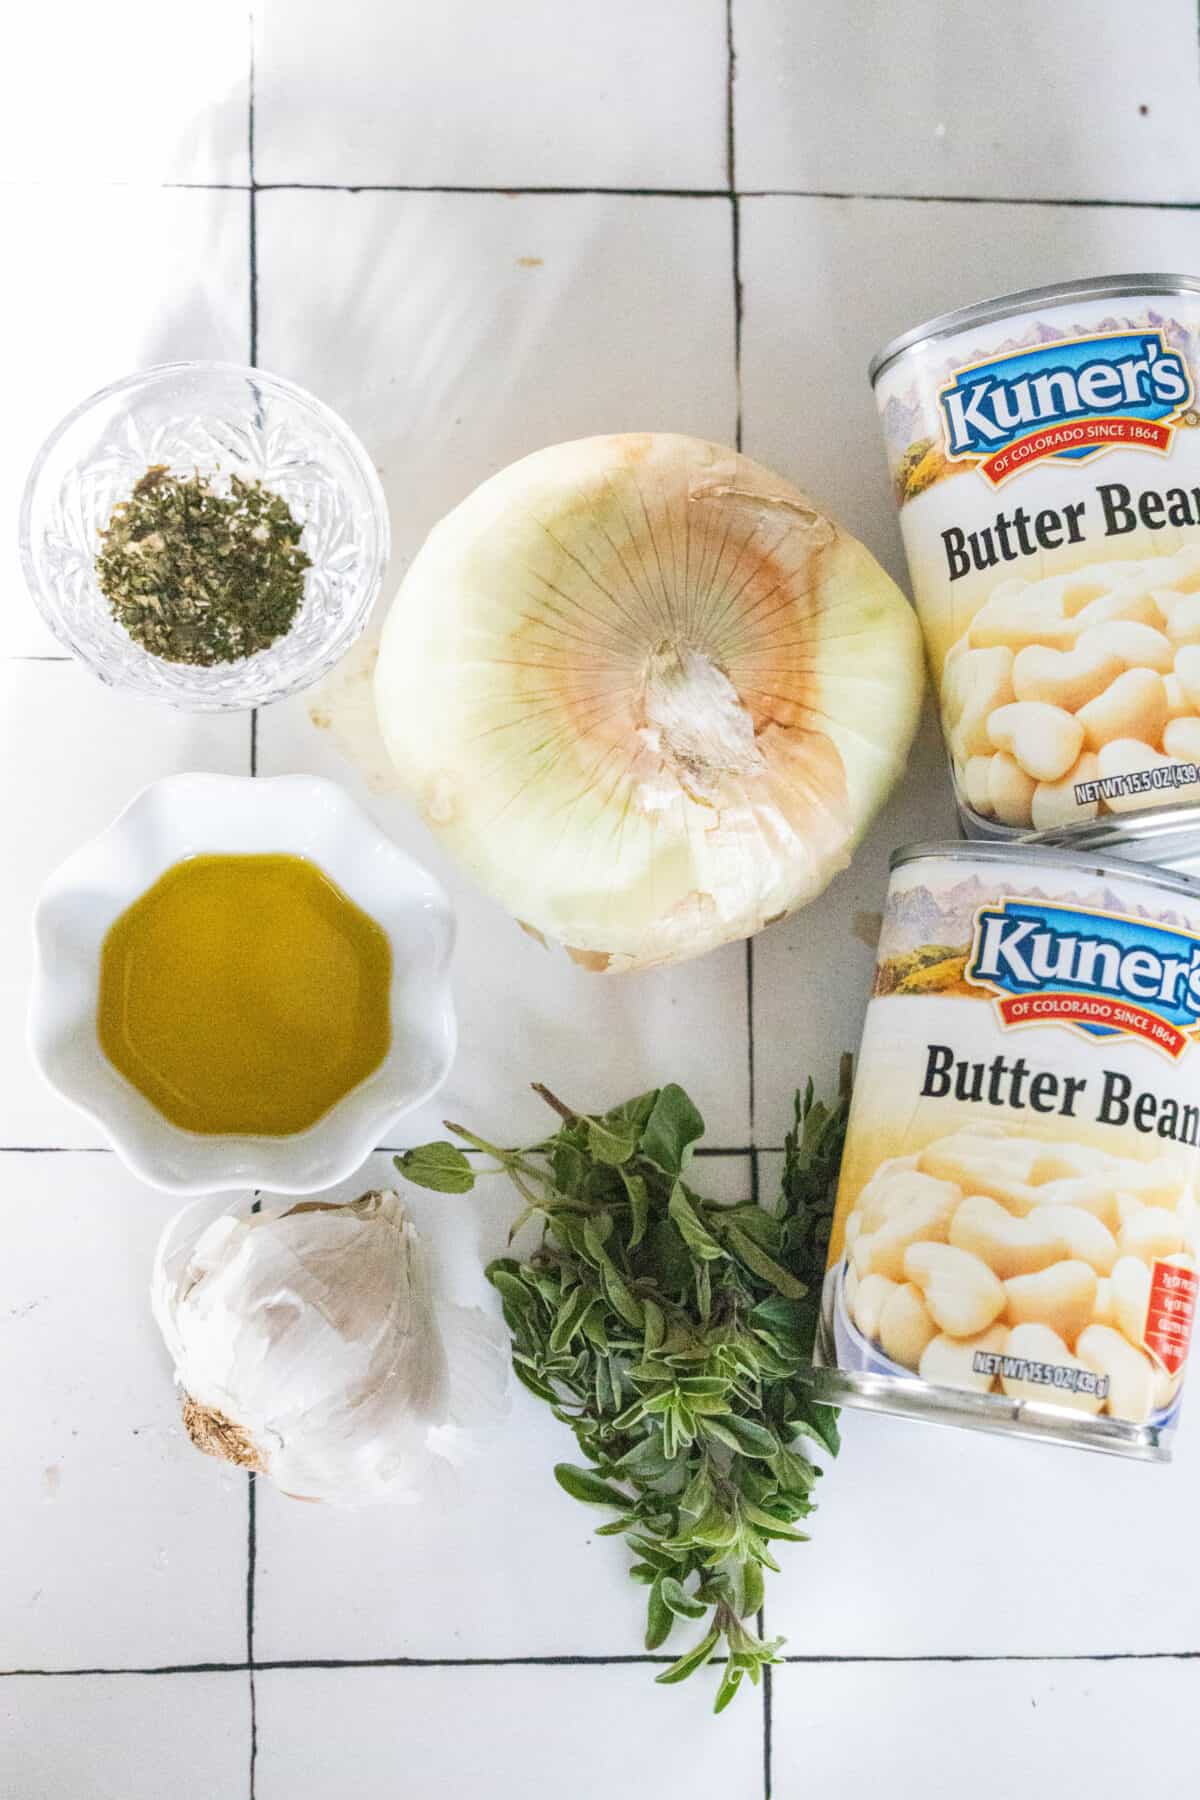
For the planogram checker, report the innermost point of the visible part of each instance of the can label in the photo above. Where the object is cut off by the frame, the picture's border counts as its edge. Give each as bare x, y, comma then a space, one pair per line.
1047, 470
1016, 1212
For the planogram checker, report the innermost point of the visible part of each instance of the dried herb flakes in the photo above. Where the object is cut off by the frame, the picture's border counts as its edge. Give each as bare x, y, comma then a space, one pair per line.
198, 576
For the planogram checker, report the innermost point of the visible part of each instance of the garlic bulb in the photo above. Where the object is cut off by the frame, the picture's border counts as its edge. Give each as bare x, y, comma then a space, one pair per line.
309, 1346
648, 692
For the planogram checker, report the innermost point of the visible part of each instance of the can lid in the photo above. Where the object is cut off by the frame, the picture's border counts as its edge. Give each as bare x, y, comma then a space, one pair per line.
1054, 855
1096, 287
1167, 836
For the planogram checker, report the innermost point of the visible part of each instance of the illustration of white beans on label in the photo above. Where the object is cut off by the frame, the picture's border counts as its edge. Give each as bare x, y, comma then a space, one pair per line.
1041, 1345
985, 1238
1073, 680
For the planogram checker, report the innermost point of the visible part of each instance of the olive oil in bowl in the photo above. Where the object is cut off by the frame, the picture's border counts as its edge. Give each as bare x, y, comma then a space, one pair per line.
245, 995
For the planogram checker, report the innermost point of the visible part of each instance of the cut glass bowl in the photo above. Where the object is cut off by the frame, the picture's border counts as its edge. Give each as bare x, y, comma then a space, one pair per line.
219, 420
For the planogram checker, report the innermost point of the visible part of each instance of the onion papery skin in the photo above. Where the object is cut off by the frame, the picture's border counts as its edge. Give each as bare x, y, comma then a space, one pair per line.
648, 693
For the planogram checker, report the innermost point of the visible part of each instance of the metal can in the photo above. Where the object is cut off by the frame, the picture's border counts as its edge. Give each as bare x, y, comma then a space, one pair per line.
1045, 457
1014, 1242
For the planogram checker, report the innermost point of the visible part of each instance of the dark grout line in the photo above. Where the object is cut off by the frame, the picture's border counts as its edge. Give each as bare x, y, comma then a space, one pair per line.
698, 1150
1024, 1656
251, 1479
253, 187
205, 1668
251, 25
253, 238
649, 193
284, 1664
768, 1734
750, 1035
669, 193
507, 193
468, 1662
785, 193
735, 207
251, 1569
380, 1150
730, 118
735, 245
253, 245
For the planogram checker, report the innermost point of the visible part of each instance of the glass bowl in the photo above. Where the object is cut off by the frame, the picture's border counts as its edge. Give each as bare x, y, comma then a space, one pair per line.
219, 420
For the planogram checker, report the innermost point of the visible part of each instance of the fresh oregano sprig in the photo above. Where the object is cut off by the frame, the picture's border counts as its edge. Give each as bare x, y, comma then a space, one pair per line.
672, 1334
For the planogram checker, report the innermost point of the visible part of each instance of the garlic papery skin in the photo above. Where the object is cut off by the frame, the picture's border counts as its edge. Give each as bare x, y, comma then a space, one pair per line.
648, 692
308, 1345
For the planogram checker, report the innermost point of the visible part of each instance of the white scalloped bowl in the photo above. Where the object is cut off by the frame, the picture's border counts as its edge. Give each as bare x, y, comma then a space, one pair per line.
189, 815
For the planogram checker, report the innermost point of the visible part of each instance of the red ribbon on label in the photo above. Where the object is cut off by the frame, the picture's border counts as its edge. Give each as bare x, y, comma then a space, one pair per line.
1170, 1314
1080, 434
1093, 1009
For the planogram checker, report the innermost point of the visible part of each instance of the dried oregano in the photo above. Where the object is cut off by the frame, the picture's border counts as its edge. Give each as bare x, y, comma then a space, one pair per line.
199, 576
673, 1335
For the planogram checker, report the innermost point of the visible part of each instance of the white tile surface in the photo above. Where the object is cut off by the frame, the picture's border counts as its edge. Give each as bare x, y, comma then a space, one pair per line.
135, 92
1040, 1730
514, 1569
457, 332
529, 94
72, 753
967, 1544
534, 1733
932, 1541
1083, 100
124, 277
125, 1737
119, 1546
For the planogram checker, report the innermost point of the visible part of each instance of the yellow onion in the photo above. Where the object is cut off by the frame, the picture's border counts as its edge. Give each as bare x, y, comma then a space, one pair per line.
648, 692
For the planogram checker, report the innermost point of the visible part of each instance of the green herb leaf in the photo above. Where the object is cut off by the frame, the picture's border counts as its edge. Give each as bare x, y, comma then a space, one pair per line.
639, 1207
691, 1227
730, 1682
571, 1316
692, 1659
633, 1112
763, 1265
655, 1325
752, 1438
440, 1166
528, 1379
611, 1143
671, 1129
680, 1603
659, 1615
586, 1485
752, 1588
816, 1420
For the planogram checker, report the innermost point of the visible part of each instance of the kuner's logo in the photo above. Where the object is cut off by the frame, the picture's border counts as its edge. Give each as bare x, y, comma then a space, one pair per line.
1098, 972
1070, 399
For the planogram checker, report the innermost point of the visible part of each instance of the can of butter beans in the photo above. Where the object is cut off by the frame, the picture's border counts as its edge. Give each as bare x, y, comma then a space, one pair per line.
1014, 1243
1045, 457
